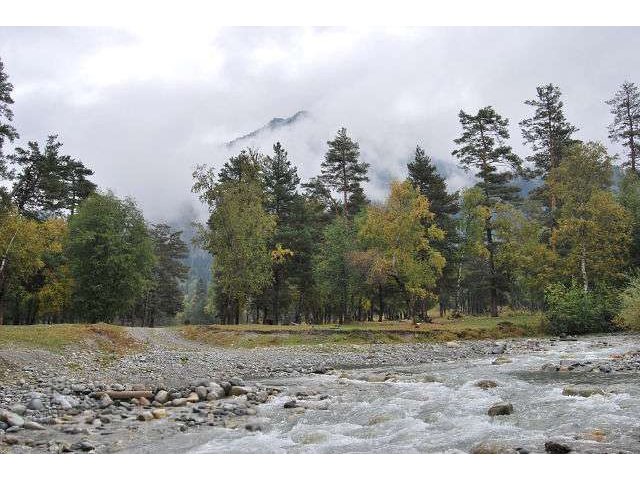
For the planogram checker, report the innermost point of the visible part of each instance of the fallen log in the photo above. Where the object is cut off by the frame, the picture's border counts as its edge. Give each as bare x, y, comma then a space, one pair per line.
129, 394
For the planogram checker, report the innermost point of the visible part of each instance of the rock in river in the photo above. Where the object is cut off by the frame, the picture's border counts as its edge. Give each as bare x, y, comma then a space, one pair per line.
581, 391
501, 360
501, 408
555, 447
486, 384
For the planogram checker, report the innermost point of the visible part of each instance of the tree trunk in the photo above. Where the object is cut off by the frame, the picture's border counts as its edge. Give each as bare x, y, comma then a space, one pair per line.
493, 290
583, 268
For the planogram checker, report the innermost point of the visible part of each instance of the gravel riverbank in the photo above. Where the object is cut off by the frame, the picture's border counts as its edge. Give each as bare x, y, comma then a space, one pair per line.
169, 393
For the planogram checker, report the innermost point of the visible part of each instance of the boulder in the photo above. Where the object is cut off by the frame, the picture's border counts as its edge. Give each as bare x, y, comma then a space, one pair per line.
18, 408
145, 416
236, 381
486, 384
162, 396
214, 391
581, 391
105, 401
179, 402
290, 404
201, 391
555, 447
501, 360
143, 402
193, 397
12, 419
501, 408
35, 404
29, 425
491, 448
239, 390
159, 413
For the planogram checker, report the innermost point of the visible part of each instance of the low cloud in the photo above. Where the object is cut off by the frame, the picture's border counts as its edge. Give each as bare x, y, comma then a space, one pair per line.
143, 107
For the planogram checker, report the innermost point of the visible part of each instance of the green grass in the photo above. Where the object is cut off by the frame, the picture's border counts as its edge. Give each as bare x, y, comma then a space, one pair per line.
109, 339
249, 336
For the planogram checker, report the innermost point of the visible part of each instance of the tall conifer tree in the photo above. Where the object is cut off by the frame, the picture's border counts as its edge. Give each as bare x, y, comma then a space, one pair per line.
444, 205
483, 148
343, 172
625, 128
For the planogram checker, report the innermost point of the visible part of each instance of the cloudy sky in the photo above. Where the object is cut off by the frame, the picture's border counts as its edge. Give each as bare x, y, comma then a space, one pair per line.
143, 106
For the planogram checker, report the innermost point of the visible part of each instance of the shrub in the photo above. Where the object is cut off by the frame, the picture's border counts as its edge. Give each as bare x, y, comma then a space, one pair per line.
629, 316
572, 311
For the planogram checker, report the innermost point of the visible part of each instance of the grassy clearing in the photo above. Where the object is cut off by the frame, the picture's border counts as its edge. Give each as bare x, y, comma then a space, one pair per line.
107, 339
249, 336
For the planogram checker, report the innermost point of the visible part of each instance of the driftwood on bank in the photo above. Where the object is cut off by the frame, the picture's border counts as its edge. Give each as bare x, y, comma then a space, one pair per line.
129, 394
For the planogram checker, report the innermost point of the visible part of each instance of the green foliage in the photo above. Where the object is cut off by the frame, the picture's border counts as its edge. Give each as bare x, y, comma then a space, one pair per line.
629, 315
629, 198
344, 173
398, 246
239, 230
593, 233
625, 128
111, 257
48, 183
547, 131
7, 131
164, 297
483, 148
572, 311
334, 279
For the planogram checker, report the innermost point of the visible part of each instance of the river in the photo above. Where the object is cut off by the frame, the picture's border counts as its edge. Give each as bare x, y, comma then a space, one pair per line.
436, 408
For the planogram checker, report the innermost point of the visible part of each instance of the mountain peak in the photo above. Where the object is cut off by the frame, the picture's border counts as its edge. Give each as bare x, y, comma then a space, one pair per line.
273, 124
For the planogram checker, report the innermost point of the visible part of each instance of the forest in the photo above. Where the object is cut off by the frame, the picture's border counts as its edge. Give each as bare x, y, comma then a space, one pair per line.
556, 232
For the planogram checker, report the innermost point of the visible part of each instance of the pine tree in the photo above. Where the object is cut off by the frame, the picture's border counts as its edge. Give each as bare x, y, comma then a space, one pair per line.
625, 128
7, 131
164, 298
424, 176
482, 147
48, 183
281, 182
548, 131
342, 172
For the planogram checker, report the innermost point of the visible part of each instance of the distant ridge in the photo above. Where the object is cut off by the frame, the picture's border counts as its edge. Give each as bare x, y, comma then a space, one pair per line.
273, 124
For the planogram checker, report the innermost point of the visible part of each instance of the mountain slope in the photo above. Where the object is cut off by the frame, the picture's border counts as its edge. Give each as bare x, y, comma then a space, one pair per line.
273, 124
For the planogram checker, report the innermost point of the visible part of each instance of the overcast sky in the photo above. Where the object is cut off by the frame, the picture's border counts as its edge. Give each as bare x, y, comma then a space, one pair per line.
143, 106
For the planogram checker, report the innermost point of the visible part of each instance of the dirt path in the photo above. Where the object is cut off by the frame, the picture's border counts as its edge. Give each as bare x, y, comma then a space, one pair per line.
165, 338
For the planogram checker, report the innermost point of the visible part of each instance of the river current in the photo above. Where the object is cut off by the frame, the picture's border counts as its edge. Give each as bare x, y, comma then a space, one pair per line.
436, 408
